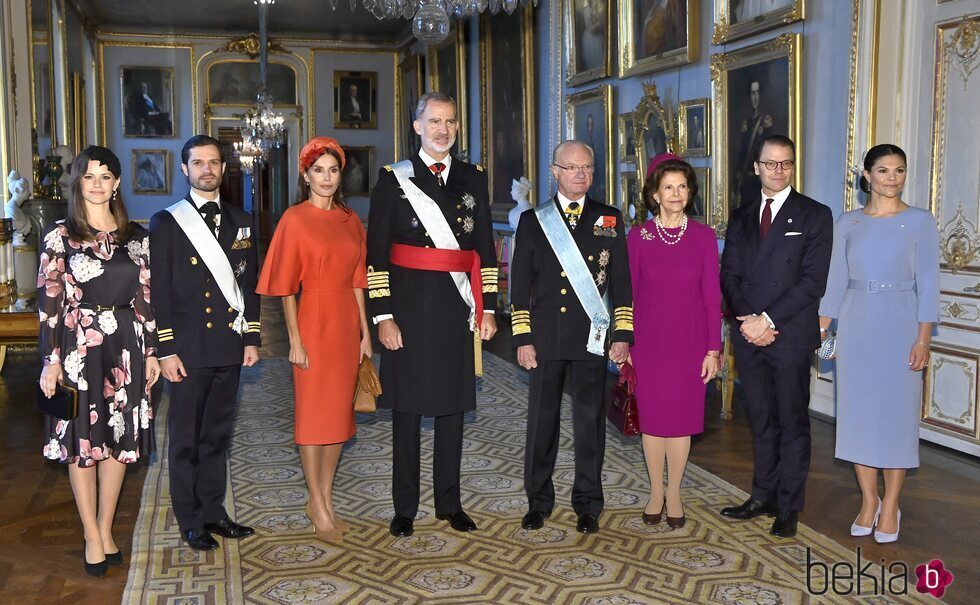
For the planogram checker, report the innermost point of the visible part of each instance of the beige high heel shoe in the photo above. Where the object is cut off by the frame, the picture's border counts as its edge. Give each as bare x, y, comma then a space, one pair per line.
326, 535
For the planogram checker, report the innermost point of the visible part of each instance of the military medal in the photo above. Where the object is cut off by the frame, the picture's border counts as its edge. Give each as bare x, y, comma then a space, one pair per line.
469, 201
600, 277
468, 224
240, 268
415, 223
604, 258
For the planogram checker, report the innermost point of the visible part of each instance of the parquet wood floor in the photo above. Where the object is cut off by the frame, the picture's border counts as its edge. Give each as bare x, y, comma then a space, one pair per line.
40, 535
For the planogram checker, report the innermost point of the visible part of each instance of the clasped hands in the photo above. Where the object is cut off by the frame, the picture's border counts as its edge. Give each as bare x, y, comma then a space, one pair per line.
756, 330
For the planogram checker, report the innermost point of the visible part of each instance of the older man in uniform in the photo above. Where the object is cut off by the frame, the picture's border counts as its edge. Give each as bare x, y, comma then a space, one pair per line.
569, 259
432, 279
204, 262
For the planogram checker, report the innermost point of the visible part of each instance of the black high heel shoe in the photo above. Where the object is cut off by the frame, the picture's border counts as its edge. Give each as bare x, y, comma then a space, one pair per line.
100, 569
114, 558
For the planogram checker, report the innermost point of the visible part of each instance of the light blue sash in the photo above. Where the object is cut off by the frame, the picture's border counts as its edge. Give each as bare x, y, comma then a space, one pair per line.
578, 274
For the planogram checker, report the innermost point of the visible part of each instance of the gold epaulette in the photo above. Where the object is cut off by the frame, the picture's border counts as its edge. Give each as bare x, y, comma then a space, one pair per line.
388, 167
378, 286
165, 334
520, 322
479, 167
489, 276
623, 317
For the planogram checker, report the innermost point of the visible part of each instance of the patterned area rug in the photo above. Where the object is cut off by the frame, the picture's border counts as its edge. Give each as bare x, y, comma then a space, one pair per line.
628, 563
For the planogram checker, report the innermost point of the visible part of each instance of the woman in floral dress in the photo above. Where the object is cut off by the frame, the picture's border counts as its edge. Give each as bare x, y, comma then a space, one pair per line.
98, 335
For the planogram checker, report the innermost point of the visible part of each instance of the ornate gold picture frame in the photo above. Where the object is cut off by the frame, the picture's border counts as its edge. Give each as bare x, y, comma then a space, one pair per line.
756, 92
507, 64
627, 144
147, 101
632, 207
654, 36
735, 19
588, 118
652, 130
408, 89
150, 169
447, 74
702, 201
236, 82
693, 128
355, 99
588, 24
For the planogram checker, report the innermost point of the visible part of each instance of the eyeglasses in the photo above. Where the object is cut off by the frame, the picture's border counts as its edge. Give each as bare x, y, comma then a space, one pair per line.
772, 164
587, 169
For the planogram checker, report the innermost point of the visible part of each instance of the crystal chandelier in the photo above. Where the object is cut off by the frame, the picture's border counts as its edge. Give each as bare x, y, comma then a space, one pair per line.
262, 127
430, 18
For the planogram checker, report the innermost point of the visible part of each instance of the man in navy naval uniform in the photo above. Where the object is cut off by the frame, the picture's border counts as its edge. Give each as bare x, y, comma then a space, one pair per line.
204, 263
569, 254
432, 283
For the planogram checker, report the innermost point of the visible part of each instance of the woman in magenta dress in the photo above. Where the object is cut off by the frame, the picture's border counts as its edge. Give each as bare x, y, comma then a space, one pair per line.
677, 323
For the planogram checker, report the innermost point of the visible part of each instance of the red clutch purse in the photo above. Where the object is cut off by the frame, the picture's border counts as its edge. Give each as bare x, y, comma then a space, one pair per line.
622, 410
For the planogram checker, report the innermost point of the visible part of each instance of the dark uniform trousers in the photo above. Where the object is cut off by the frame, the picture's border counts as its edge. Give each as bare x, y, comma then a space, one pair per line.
588, 416
195, 321
548, 315
406, 468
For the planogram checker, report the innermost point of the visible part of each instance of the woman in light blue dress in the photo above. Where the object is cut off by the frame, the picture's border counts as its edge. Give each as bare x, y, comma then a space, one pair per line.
883, 289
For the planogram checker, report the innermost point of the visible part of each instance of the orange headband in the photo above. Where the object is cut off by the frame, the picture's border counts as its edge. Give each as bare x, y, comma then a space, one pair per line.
317, 146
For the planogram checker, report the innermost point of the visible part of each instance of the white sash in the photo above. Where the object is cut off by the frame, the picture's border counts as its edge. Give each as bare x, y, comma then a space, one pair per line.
570, 259
436, 224
203, 240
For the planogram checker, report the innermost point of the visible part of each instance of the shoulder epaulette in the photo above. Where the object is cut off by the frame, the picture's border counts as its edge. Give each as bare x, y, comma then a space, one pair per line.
479, 167
388, 167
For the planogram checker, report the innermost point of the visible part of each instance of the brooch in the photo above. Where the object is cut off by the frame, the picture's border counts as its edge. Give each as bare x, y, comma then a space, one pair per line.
645, 234
469, 201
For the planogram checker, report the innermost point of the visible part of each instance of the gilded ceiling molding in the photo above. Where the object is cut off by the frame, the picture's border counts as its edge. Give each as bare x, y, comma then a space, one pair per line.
249, 45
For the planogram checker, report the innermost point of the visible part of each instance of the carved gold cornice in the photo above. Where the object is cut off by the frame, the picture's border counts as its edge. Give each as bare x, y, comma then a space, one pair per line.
964, 47
250, 45
959, 241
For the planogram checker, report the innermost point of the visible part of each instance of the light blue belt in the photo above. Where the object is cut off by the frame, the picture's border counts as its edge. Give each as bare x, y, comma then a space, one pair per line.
875, 286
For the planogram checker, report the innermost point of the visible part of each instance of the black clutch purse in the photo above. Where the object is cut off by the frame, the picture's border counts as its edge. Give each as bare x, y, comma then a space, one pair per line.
63, 404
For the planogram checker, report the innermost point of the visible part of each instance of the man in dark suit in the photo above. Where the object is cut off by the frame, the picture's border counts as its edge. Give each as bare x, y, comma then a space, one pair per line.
432, 283
773, 273
204, 262
554, 329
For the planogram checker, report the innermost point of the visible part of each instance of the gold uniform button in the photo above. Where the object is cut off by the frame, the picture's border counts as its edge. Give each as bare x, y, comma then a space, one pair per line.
209, 325
207, 295
459, 220
564, 291
230, 325
591, 258
230, 310
193, 260
563, 309
207, 309
563, 274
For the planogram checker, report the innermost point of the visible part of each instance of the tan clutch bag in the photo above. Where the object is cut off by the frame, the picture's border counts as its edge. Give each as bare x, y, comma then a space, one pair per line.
368, 387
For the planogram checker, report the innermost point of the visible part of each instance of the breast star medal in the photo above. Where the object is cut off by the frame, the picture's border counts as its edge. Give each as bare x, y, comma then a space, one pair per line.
468, 224
469, 201
600, 277
604, 258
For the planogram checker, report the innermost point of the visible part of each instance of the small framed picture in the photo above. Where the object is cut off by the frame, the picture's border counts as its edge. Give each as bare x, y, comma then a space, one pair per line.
627, 144
632, 205
702, 201
693, 129
355, 99
357, 171
147, 101
151, 171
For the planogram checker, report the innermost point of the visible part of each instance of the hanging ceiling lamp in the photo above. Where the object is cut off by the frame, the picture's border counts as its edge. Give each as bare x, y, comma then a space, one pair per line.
262, 127
430, 18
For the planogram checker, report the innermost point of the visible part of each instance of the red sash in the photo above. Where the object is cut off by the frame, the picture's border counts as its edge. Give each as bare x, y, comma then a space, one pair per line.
441, 259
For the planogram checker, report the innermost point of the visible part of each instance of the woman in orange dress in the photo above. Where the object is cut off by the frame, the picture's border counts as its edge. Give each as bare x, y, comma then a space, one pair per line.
318, 252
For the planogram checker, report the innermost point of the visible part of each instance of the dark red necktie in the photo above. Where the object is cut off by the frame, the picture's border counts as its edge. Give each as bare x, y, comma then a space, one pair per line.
437, 168
766, 218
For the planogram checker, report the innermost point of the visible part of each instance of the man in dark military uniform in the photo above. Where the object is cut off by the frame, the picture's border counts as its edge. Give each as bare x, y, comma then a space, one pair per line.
432, 279
204, 262
569, 258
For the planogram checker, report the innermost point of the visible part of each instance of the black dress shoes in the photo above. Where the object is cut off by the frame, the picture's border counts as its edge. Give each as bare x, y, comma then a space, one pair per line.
198, 539
534, 519
587, 524
114, 558
459, 521
226, 528
785, 524
401, 526
750, 509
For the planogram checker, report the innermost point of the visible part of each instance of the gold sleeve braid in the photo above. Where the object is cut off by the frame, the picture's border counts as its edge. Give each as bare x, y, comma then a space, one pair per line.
490, 276
623, 317
378, 286
520, 322
165, 334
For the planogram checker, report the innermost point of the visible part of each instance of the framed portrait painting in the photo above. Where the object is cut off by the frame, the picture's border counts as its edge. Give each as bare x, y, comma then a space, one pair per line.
756, 93
409, 89
355, 99
657, 34
631, 205
507, 64
589, 24
735, 19
627, 144
702, 201
235, 83
693, 132
652, 130
447, 74
588, 118
358, 171
147, 101
151, 171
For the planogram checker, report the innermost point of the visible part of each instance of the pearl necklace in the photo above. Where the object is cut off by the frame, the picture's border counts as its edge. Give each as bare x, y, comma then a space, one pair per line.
669, 238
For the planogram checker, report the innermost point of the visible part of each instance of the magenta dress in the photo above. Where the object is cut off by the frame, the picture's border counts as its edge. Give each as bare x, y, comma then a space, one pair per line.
677, 320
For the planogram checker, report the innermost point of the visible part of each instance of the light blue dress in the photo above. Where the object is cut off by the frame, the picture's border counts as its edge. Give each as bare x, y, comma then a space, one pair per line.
884, 281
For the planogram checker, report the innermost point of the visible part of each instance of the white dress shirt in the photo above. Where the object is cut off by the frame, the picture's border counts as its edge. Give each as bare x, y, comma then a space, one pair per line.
564, 202
777, 202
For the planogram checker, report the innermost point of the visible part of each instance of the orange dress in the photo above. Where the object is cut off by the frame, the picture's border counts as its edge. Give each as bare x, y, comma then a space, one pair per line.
319, 254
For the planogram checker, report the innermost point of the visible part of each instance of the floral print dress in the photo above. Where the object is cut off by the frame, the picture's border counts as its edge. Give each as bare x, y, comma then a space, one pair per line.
96, 319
